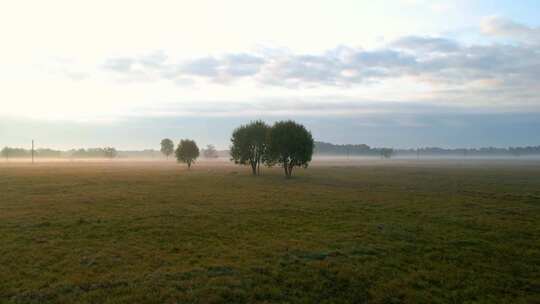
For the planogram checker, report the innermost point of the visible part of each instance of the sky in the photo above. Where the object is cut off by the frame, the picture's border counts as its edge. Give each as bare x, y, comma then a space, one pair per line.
403, 73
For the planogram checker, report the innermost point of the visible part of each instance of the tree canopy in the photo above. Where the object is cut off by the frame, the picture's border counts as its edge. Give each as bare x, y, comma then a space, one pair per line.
210, 152
387, 152
110, 152
167, 147
187, 152
290, 145
8, 152
249, 145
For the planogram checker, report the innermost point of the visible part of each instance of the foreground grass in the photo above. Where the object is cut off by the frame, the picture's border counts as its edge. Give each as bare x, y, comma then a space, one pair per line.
109, 233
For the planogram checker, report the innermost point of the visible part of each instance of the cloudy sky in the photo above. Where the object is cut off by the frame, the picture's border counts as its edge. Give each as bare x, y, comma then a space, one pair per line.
401, 73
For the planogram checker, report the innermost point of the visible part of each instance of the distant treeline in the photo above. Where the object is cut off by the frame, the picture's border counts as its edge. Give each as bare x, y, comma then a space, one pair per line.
107, 152
489, 151
323, 148
8, 152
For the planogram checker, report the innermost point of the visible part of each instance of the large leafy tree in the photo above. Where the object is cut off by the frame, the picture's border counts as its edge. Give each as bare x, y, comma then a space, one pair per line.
187, 152
290, 145
167, 147
249, 145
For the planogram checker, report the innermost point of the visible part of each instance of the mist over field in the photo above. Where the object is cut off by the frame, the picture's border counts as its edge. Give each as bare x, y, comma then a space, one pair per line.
250, 151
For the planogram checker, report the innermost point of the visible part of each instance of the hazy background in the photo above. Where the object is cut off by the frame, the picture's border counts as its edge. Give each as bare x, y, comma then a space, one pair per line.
392, 73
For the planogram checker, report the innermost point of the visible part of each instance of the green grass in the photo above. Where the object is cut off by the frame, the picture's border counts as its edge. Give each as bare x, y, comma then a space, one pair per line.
119, 233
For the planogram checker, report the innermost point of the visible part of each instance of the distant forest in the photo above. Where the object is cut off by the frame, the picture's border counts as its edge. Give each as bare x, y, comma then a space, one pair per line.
107, 152
321, 149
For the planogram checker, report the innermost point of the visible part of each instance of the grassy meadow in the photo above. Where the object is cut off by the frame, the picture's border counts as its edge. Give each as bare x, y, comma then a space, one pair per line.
366, 232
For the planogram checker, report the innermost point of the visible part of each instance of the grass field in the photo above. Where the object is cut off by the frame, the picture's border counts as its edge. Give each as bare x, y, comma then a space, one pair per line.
120, 232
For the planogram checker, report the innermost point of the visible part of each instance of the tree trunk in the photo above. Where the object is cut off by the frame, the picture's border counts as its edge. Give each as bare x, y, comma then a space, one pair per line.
254, 168
291, 166
189, 165
287, 166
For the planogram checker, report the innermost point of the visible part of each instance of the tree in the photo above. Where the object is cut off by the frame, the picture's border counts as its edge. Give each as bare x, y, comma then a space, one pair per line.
5, 152
167, 147
8, 152
290, 145
110, 152
187, 152
249, 145
515, 151
387, 152
210, 152
50, 153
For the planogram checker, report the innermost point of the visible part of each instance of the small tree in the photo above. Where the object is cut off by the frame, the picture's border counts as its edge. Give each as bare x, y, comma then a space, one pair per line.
249, 145
110, 152
5, 152
210, 152
167, 147
387, 153
187, 152
290, 145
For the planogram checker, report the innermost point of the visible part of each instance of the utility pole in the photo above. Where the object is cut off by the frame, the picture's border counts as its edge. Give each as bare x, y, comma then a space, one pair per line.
32, 151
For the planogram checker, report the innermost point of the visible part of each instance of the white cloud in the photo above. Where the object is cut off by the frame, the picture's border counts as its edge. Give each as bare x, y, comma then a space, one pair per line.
505, 28
494, 74
213, 54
